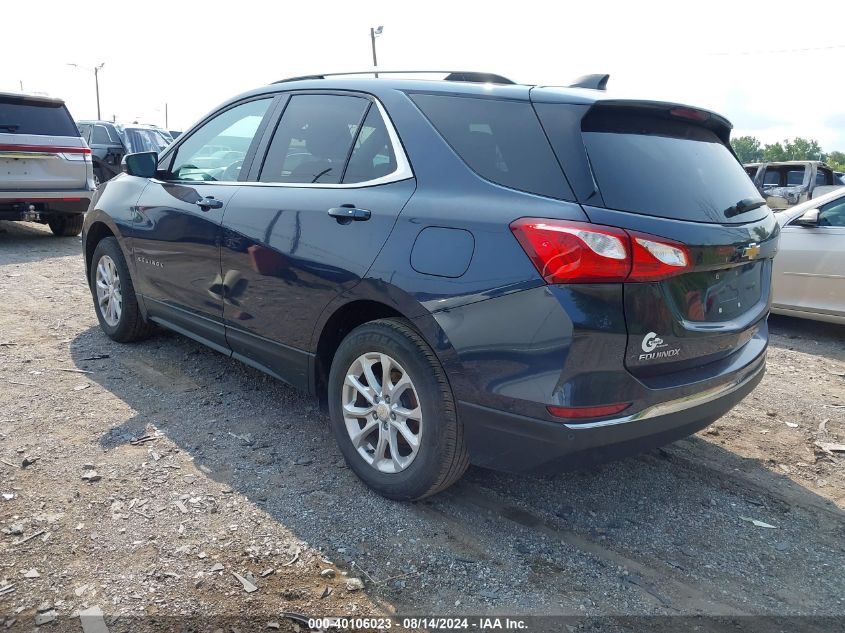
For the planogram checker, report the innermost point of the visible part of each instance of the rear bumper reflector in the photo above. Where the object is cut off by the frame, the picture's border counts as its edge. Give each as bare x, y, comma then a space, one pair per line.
588, 412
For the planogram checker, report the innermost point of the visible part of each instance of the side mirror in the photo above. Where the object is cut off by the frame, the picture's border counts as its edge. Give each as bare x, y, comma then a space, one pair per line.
141, 164
810, 218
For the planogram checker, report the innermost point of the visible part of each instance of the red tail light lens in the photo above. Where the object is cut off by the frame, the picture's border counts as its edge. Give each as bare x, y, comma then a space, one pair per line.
657, 258
45, 149
577, 252
574, 252
588, 412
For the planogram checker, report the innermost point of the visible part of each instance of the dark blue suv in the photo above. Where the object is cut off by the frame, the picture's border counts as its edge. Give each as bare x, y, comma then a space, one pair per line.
464, 271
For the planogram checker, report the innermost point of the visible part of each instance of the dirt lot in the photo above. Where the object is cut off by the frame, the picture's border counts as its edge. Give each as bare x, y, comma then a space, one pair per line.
157, 471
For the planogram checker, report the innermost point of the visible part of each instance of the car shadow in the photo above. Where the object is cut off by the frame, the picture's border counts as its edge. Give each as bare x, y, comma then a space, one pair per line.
23, 242
811, 337
675, 513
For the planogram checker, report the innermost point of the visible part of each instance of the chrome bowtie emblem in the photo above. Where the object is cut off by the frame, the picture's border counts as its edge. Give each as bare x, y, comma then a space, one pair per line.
751, 251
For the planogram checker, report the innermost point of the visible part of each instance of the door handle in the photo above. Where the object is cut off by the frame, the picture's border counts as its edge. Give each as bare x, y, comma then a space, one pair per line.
209, 202
346, 214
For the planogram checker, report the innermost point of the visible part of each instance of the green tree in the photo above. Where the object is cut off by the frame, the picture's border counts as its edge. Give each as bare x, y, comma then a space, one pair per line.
747, 149
836, 160
774, 153
802, 149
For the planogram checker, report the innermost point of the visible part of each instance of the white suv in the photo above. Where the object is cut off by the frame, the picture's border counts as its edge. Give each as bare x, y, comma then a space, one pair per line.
46, 173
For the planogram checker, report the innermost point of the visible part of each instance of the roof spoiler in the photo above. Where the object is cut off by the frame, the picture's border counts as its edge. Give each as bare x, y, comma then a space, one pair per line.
593, 82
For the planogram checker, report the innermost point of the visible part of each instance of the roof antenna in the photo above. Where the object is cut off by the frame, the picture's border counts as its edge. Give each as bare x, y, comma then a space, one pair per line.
593, 82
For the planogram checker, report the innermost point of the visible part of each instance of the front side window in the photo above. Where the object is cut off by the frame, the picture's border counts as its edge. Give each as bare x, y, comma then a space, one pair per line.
313, 139
215, 151
772, 178
833, 213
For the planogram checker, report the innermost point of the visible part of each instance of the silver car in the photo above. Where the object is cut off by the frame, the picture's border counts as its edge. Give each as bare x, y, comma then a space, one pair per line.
46, 173
809, 269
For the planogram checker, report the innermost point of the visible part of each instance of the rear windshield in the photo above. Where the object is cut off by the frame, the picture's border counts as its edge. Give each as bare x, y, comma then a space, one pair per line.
500, 140
20, 116
662, 167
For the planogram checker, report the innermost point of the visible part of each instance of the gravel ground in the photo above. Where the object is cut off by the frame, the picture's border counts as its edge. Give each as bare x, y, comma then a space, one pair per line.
157, 471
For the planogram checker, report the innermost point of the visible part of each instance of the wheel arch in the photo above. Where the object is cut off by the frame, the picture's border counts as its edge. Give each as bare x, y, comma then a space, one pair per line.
99, 226
370, 302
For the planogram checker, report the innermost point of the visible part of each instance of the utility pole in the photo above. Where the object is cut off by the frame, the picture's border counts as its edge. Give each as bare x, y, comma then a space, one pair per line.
21, 85
97, 87
166, 123
374, 33
96, 71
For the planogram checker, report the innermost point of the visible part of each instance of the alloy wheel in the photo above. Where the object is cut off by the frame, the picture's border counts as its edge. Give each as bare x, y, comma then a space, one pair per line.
109, 297
382, 413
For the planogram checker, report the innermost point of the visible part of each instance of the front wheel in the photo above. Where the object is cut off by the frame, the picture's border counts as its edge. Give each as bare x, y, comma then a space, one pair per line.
393, 412
114, 295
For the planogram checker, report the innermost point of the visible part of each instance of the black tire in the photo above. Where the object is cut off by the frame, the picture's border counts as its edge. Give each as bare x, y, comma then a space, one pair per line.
98, 177
66, 225
442, 457
131, 326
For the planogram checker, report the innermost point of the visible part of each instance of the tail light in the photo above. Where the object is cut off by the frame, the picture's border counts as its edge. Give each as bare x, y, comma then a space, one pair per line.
577, 252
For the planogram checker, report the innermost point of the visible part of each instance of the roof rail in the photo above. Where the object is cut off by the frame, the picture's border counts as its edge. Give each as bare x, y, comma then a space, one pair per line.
451, 75
594, 82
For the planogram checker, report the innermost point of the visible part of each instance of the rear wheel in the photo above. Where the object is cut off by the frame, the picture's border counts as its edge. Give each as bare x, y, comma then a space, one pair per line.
66, 225
393, 412
114, 295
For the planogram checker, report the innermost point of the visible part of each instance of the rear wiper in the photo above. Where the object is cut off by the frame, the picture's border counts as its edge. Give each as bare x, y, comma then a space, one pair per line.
9, 126
746, 204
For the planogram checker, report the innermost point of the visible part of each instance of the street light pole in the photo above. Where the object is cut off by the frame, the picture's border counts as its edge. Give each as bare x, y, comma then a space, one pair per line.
374, 33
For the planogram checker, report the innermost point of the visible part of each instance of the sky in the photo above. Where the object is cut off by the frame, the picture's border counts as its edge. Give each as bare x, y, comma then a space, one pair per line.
774, 69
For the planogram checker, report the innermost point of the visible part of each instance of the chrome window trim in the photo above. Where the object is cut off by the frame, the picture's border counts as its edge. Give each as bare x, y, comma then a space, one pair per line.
403, 169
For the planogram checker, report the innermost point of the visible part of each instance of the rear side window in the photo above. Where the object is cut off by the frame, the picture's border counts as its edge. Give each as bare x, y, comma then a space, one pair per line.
794, 177
500, 140
22, 116
102, 136
313, 139
663, 167
372, 155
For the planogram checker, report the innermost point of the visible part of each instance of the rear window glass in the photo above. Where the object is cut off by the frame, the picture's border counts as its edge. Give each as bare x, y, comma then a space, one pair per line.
19, 116
500, 140
663, 167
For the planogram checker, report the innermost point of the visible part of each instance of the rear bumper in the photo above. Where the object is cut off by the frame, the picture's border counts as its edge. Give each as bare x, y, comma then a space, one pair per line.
515, 443
27, 205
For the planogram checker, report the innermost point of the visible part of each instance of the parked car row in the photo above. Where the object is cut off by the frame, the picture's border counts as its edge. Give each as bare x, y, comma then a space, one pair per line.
46, 170
50, 166
110, 142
